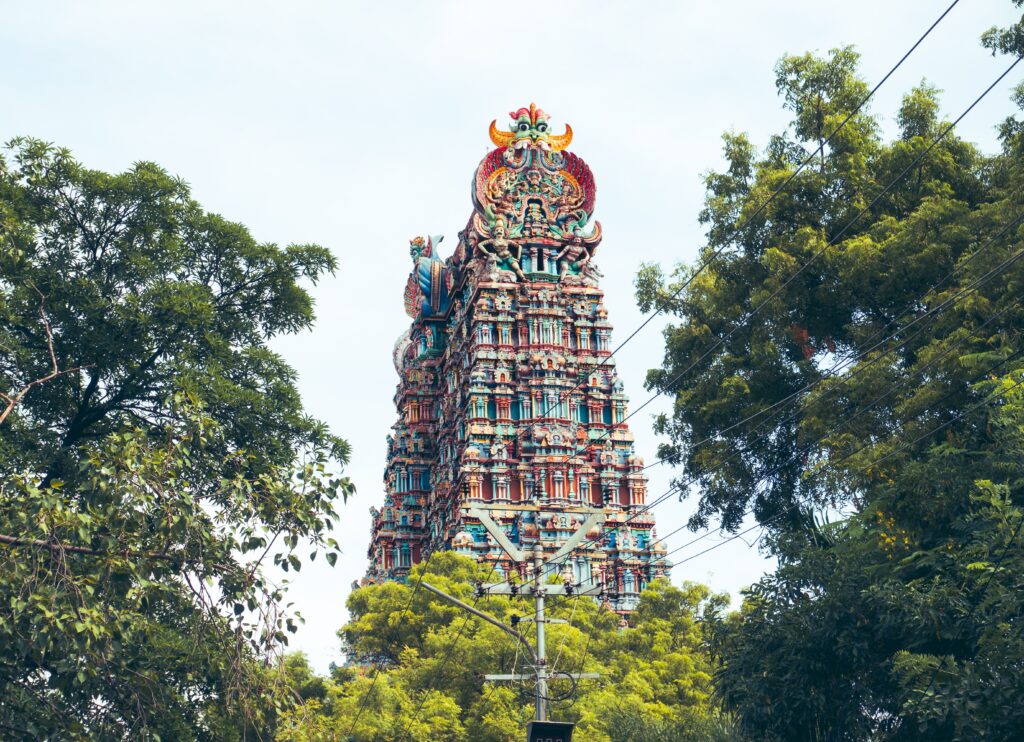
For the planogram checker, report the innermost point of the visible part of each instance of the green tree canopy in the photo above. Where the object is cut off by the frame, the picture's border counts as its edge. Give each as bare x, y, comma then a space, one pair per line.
153, 452
148, 294
655, 684
881, 378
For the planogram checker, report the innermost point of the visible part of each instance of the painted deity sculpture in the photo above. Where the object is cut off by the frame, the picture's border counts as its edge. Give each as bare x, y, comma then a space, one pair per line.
489, 411
501, 248
576, 254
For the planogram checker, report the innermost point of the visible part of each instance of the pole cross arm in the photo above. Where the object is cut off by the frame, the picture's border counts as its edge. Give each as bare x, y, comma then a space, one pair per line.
504, 588
480, 614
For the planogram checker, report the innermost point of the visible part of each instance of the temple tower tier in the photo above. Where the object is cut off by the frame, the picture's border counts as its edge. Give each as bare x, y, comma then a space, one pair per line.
508, 398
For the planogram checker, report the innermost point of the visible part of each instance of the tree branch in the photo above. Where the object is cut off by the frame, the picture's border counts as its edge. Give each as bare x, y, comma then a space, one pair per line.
58, 547
55, 371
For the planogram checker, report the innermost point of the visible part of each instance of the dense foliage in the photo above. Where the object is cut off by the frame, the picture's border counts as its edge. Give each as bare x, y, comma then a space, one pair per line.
153, 453
655, 685
864, 369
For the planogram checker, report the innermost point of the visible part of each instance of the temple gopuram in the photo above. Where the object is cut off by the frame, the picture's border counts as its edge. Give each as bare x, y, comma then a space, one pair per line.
507, 396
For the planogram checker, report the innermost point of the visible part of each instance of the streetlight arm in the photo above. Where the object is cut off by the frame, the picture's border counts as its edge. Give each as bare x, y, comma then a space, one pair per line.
480, 614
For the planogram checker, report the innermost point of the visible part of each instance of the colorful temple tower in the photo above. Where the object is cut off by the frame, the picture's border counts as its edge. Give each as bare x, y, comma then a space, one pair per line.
507, 396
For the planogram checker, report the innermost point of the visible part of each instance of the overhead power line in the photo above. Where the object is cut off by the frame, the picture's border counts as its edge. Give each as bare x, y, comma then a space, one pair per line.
746, 222
447, 655
918, 372
760, 306
806, 449
831, 243
702, 267
904, 446
850, 358
872, 464
965, 291
377, 670
948, 128
833, 464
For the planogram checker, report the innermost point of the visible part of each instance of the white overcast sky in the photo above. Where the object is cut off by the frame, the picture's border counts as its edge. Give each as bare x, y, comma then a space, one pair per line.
359, 125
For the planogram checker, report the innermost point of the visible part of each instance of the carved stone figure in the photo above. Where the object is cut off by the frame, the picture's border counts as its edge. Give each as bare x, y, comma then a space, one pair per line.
502, 248
575, 255
530, 128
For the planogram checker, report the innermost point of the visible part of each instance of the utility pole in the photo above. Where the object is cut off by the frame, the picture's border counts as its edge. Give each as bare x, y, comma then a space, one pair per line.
541, 701
538, 589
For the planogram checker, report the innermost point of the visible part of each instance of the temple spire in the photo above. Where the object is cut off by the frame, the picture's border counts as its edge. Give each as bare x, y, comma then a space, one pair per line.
508, 399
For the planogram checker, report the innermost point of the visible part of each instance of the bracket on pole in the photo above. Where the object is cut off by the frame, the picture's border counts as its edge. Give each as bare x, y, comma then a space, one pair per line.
505, 588
517, 676
480, 614
594, 518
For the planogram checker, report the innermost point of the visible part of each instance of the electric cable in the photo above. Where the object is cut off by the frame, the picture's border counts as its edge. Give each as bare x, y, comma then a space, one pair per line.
747, 221
515, 662
526, 429
757, 309
679, 487
810, 446
831, 242
748, 317
935, 310
583, 659
872, 464
1009, 543
819, 149
845, 363
851, 358
377, 670
561, 647
878, 461
737, 230
448, 654
924, 369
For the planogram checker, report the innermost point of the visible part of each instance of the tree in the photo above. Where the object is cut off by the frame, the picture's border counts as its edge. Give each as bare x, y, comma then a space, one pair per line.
149, 294
154, 452
656, 675
880, 376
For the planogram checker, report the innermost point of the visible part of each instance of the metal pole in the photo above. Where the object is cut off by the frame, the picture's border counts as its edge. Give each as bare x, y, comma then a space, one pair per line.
518, 556
542, 670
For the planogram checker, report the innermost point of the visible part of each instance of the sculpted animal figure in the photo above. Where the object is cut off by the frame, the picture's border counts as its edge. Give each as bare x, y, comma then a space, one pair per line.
426, 292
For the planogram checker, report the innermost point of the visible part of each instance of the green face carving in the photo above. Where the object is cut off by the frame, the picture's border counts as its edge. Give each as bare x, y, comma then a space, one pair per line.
524, 128
530, 127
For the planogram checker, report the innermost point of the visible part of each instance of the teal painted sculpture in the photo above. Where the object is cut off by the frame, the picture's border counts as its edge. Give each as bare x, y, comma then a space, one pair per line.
426, 292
